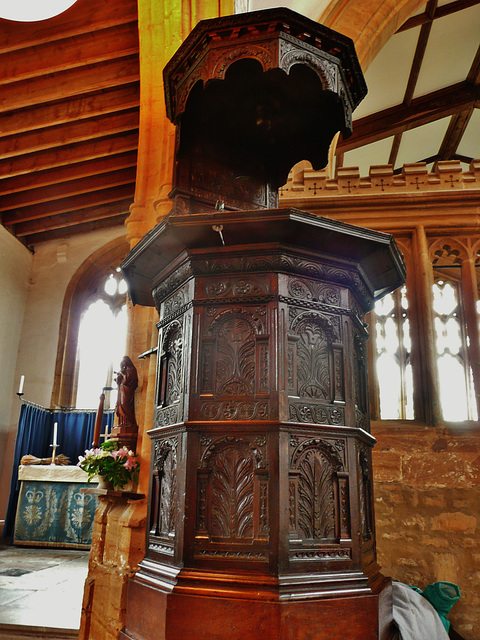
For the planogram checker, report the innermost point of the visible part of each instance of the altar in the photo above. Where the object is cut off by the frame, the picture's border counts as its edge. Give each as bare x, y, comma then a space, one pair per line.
51, 510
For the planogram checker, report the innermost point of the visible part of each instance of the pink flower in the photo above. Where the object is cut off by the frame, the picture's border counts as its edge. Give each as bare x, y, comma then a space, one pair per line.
130, 463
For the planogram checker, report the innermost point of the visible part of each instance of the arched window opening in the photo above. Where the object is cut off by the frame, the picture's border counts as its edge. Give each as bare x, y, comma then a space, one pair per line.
97, 279
393, 350
101, 342
455, 374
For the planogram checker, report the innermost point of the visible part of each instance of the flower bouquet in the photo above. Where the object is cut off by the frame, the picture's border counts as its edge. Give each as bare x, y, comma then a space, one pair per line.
116, 466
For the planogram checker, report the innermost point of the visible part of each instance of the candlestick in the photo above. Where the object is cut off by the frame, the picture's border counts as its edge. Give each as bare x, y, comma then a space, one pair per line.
54, 452
106, 433
98, 421
20, 386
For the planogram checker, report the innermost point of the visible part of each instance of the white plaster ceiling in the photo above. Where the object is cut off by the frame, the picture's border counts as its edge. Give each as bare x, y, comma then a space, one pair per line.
429, 127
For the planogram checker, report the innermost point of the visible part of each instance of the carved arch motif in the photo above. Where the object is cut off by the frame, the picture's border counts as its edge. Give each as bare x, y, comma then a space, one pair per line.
232, 489
170, 384
314, 335
232, 345
448, 250
326, 71
318, 498
164, 489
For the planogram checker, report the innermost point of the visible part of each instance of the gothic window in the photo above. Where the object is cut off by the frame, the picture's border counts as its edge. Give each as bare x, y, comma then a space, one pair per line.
393, 350
454, 371
101, 341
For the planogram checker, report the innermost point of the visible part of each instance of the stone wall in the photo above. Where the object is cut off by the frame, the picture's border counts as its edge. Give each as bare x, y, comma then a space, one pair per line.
427, 500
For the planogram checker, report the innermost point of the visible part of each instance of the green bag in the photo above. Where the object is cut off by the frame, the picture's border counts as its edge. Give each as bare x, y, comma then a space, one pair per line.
442, 596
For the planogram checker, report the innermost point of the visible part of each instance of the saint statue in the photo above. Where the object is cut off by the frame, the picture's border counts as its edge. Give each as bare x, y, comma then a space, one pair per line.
127, 380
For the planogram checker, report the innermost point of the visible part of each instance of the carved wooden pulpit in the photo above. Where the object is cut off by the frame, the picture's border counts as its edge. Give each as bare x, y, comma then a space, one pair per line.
261, 520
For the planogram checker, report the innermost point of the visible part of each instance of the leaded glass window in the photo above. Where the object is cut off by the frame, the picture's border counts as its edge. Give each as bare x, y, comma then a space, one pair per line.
101, 342
455, 377
393, 349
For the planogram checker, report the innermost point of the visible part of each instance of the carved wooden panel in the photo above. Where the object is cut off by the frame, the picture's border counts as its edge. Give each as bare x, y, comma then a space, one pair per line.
164, 496
235, 363
315, 375
366, 506
319, 504
171, 379
232, 497
360, 379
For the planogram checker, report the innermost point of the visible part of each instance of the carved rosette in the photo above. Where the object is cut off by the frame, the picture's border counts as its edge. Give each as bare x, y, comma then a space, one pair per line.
164, 496
232, 497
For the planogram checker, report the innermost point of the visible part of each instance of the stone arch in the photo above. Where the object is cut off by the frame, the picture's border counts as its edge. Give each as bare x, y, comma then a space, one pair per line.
452, 250
370, 23
81, 287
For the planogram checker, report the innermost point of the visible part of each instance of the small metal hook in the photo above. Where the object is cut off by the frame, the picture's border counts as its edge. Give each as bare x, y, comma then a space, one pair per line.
218, 228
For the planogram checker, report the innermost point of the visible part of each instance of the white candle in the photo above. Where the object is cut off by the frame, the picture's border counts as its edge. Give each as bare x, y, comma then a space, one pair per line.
20, 387
55, 426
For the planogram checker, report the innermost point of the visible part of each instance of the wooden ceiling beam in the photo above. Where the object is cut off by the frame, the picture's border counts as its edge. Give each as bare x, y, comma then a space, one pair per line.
69, 172
67, 134
72, 53
83, 17
466, 159
73, 82
76, 108
440, 12
72, 218
60, 157
394, 149
453, 135
401, 118
474, 73
68, 232
64, 205
69, 189
419, 54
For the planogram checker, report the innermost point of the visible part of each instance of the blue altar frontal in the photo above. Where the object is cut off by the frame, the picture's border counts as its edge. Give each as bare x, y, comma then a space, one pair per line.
51, 510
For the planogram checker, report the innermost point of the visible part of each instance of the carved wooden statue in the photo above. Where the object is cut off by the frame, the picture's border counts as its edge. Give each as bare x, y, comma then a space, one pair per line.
261, 519
126, 429
127, 380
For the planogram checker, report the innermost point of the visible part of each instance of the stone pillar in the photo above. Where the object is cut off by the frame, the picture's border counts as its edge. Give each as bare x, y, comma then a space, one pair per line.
120, 528
425, 326
470, 298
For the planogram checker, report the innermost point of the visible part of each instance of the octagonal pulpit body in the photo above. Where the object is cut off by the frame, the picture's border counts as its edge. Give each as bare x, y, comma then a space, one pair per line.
261, 507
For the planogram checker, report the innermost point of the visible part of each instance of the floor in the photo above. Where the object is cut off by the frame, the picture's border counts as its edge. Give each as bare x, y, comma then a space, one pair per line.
41, 588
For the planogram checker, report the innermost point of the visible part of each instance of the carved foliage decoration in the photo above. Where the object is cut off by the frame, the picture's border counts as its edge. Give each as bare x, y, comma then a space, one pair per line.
314, 334
366, 509
232, 501
235, 362
170, 386
232, 495
164, 493
235, 356
318, 491
315, 497
360, 376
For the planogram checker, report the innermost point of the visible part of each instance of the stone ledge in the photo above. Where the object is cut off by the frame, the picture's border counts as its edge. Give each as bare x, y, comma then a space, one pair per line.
447, 175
